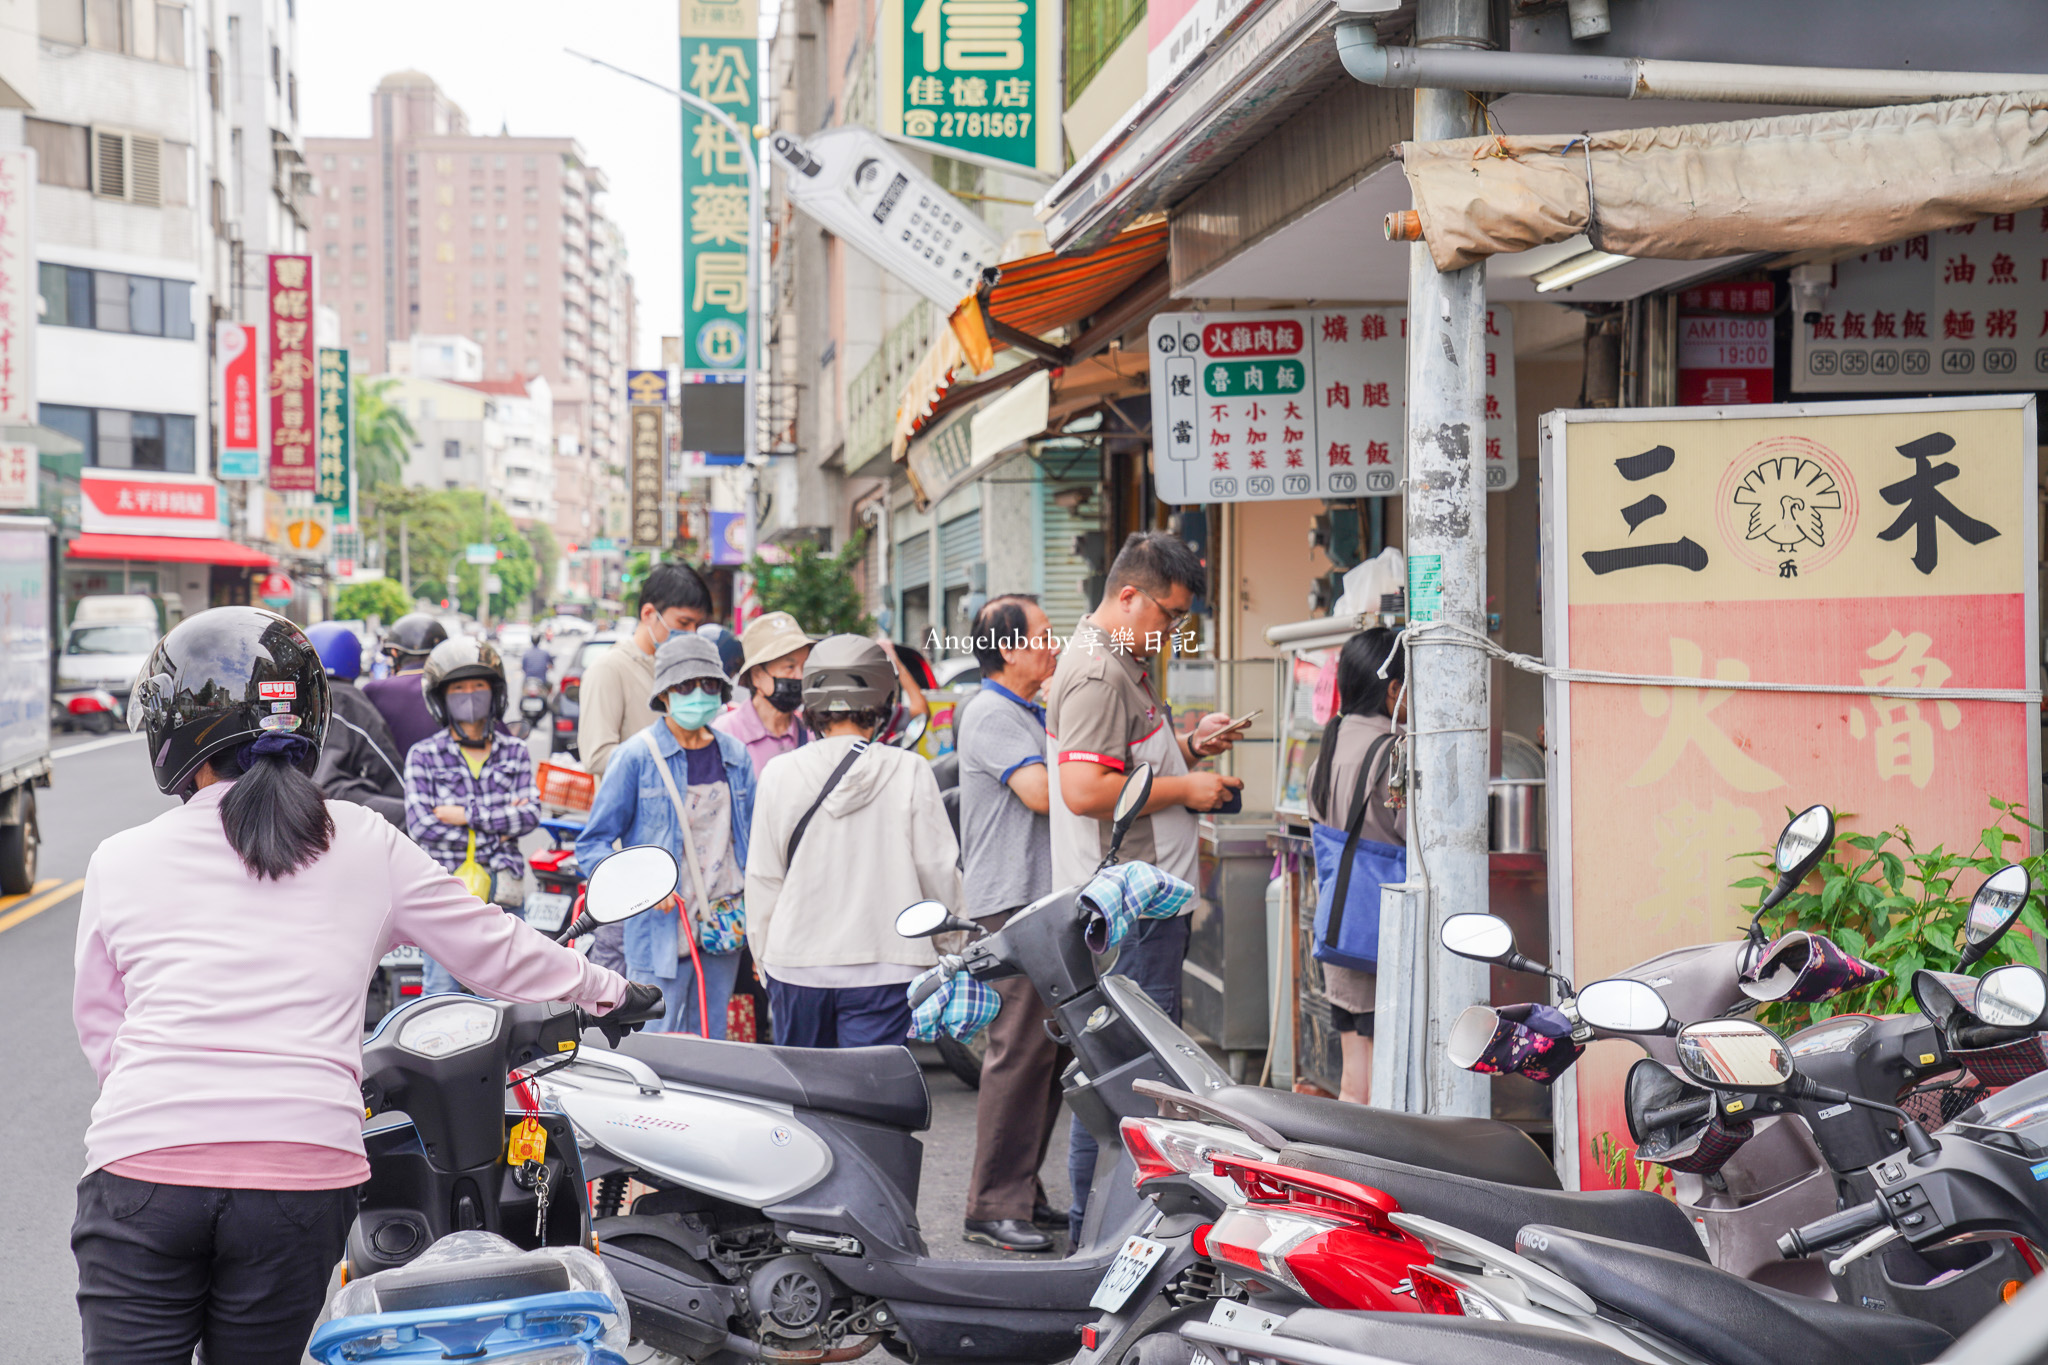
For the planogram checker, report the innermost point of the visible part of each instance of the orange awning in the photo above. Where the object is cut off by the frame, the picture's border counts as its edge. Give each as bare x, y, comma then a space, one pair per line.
1036, 295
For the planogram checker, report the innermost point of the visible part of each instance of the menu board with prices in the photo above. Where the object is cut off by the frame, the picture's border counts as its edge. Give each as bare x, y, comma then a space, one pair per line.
1301, 403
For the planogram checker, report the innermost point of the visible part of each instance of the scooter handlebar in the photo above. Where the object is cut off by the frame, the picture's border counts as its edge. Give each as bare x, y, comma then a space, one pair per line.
1686, 1111
1839, 1227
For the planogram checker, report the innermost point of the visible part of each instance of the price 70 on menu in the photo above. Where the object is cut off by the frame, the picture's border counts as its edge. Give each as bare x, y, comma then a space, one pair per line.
1305, 403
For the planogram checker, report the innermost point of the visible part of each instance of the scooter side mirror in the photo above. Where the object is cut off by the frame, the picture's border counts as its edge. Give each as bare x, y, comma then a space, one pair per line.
910, 732
2014, 996
1804, 842
925, 918
630, 881
1734, 1054
1623, 1005
1137, 790
1483, 938
1993, 910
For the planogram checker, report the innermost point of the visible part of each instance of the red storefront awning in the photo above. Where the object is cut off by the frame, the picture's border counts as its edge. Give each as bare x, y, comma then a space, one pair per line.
167, 549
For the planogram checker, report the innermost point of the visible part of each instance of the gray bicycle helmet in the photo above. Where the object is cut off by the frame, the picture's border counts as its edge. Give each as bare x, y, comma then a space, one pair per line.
849, 673
457, 659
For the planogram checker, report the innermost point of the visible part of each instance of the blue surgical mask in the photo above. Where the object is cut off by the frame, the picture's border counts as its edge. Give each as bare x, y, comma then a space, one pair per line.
693, 710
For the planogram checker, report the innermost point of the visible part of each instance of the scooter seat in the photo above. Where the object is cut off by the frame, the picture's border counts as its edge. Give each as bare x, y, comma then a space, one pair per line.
1480, 1148
880, 1083
1489, 1209
1424, 1339
1723, 1318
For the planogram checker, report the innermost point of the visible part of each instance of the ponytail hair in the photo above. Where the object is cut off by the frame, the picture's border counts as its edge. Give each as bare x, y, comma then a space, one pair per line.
274, 816
1361, 691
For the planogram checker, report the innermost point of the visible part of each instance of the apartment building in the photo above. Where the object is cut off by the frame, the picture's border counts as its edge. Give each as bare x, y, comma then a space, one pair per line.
426, 227
168, 167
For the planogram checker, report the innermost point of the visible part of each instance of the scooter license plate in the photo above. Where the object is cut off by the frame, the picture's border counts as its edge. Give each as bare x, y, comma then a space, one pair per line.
1126, 1273
403, 955
1243, 1318
547, 911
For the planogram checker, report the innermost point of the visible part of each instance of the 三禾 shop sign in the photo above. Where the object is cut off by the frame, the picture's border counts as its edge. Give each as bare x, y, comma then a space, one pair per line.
1847, 548
977, 80
1305, 403
1965, 309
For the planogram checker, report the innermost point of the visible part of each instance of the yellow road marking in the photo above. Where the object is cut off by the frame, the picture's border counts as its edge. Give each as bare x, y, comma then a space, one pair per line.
42, 901
9, 902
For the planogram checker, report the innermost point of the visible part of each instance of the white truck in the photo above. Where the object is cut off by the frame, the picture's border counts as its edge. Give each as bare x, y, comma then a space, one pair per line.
25, 681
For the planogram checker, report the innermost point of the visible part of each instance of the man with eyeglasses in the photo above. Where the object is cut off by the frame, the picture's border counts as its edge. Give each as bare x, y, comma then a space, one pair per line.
1102, 718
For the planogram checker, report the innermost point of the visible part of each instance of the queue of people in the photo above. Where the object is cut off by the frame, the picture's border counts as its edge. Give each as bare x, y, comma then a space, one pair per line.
801, 838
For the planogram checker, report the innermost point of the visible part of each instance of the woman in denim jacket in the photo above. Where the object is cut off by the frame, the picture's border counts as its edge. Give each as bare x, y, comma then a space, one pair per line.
710, 775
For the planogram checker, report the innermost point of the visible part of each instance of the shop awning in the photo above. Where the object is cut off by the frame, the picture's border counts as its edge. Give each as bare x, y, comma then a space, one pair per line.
1032, 297
167, 549
1812, 182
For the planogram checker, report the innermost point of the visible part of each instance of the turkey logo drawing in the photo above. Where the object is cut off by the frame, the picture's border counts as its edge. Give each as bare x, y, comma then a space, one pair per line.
1786, 507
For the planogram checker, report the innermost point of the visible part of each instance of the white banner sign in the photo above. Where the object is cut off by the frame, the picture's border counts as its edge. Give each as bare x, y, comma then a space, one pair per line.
18, 310
867, 193
1965, 309
17, 475
1309, 403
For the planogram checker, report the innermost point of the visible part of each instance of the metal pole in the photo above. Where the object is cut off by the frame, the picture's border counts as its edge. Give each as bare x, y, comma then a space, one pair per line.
405, 560
745, 138
1445, 507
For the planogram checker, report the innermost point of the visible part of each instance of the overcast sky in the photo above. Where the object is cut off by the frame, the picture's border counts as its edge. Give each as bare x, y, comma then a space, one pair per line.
503, 63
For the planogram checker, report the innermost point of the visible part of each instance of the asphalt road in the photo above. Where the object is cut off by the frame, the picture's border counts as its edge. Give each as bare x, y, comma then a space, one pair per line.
103, 786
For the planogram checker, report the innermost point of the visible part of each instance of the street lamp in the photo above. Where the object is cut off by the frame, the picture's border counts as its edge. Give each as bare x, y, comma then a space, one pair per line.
744, 137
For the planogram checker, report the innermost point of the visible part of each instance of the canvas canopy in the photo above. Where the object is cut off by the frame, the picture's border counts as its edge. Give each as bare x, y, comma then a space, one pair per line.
1840, 180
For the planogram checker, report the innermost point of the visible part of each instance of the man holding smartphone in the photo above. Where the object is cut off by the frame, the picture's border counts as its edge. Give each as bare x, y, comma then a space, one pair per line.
1102, 718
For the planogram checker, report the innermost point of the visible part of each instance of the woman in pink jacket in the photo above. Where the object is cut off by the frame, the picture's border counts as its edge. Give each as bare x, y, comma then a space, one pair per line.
223, 953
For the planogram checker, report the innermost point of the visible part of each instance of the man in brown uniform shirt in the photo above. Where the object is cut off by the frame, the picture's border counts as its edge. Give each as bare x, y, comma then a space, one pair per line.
1102, 718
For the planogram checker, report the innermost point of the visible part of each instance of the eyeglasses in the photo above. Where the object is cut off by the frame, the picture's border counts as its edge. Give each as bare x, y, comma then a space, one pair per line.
1174, 621
715, 686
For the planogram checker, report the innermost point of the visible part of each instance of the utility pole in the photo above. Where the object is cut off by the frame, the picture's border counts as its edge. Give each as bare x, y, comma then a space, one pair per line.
405, 560
1445, 507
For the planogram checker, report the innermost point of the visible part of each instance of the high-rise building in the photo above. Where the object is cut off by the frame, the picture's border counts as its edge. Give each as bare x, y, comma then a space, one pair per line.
426, 227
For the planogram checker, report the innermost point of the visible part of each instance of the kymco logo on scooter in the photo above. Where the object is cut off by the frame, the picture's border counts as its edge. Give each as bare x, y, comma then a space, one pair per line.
1529, 1240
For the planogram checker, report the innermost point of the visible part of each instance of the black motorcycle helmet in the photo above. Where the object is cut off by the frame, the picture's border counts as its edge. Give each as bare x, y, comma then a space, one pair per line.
413, 636
225, 678
454, 660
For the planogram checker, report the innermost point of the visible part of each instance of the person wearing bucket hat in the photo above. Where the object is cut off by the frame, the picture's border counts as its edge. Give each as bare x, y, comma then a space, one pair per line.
773, 650
683, 785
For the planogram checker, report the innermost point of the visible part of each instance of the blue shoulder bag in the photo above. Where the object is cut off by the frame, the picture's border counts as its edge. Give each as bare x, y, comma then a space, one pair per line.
1349, 873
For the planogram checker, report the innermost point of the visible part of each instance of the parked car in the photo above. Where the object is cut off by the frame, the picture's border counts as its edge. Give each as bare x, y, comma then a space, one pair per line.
569, 687
109, 639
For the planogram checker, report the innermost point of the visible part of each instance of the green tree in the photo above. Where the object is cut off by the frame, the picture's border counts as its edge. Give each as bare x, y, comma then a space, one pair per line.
441, 523
380, 597
541, 542
817, 588
384, 435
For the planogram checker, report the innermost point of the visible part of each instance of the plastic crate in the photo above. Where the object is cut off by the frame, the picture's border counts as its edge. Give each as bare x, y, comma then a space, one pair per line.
566, 788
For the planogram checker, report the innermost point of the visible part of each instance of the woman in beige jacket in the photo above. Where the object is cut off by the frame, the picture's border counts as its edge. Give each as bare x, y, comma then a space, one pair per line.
822, 921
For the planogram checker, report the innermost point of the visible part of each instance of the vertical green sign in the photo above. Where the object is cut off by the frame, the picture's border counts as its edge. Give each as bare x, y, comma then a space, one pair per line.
720, 49
335, 437
974, 79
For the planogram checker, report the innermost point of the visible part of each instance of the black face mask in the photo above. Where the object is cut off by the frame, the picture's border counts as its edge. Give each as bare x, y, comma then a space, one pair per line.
787, 695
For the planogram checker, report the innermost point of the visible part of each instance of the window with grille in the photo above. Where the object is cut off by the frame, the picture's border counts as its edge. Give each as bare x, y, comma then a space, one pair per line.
1094, 28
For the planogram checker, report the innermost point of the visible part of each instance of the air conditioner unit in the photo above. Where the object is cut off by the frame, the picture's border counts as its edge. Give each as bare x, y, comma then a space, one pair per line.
127, 166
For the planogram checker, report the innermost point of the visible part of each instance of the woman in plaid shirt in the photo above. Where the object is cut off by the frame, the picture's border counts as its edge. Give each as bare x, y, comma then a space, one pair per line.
470, 780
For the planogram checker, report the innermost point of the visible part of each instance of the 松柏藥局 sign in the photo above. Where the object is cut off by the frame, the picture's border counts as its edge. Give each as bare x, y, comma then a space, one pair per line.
721, 66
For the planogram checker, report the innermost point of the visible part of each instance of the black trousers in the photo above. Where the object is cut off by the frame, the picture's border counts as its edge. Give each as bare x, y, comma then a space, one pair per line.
239, 1273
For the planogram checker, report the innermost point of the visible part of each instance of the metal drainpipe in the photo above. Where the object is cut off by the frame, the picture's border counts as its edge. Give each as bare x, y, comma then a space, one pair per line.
1645, 78
1444, 504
